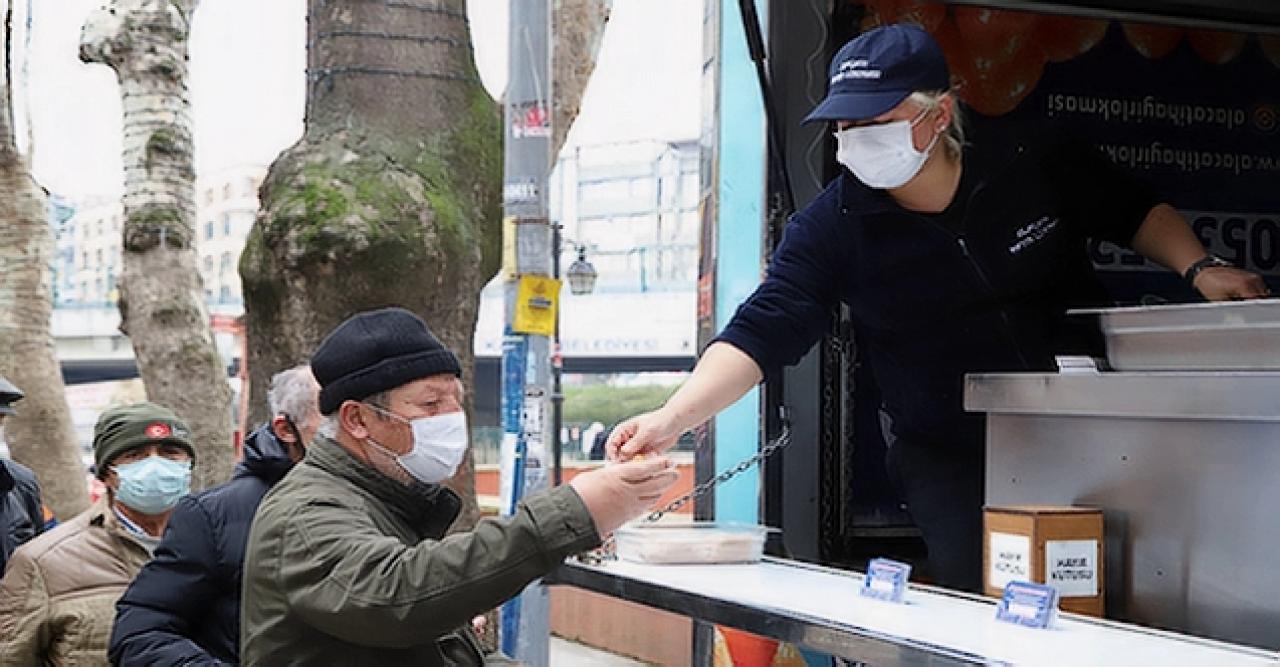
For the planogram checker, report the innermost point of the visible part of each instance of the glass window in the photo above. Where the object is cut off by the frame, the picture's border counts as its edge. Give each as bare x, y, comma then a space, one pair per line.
224, 294
208, 230
226, 262
226, 224
98, 256
208, 263
227, 192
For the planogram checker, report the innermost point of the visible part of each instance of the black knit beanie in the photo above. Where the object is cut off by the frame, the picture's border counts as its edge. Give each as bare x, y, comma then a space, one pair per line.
376, 351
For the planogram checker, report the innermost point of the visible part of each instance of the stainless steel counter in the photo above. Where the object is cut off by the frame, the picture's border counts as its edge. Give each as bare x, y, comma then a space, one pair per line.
819, 608
1187, 469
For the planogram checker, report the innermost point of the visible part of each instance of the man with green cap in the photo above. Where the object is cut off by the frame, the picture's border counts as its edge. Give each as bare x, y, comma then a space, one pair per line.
57, 599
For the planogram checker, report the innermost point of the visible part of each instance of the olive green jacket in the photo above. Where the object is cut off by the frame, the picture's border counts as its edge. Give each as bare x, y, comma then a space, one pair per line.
348, 567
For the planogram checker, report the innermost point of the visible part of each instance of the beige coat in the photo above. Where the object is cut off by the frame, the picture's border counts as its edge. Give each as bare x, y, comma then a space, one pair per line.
58, 595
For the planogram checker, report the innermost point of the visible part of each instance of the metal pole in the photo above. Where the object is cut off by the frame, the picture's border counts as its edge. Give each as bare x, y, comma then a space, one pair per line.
529, 293
557, 369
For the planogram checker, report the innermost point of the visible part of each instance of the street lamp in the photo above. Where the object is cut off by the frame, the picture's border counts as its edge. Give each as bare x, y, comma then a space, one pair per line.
582, 280
581, 274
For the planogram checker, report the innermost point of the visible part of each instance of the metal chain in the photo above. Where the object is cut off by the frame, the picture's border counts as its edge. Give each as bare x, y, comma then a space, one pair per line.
606, 550
781, 441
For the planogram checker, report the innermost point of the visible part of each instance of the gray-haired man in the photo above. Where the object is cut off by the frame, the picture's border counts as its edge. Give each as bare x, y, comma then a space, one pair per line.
184, 607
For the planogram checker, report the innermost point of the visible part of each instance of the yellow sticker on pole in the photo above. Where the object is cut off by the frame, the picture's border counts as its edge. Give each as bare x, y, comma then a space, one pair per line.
509, 247
537, 298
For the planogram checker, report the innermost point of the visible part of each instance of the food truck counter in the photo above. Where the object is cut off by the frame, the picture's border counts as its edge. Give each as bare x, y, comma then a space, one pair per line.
819, 608
1184, 465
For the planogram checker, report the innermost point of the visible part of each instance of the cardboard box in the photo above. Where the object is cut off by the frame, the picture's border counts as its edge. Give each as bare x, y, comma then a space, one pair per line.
1058, 546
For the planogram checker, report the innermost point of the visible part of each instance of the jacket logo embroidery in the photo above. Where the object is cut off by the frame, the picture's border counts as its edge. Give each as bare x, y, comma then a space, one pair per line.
1032, 233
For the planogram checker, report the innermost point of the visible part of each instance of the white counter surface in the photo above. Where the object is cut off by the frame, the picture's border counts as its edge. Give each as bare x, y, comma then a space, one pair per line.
960, 627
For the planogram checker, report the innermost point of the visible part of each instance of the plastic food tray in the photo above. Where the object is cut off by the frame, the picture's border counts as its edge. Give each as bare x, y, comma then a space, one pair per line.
695, 543
1222, 336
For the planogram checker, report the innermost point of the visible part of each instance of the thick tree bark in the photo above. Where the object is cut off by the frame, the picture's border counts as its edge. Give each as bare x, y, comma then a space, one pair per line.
393, 194
578, 30
41, 434
161, 297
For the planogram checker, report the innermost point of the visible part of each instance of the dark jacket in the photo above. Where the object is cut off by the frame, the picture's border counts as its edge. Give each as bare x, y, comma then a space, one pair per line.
347, 567
982, 286
21, 517
184, 607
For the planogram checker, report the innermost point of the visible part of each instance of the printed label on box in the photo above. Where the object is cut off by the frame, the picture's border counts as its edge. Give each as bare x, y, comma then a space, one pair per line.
1071, 566
1010, 559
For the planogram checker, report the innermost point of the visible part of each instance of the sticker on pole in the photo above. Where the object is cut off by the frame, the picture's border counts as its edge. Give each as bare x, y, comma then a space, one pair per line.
885, 580
536, 300
1027, 604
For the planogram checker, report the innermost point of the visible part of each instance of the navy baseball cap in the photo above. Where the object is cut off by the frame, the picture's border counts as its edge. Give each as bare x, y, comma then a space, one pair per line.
878, 69
8, 394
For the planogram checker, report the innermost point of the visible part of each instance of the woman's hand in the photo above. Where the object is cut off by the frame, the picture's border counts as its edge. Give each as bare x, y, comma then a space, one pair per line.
646, 434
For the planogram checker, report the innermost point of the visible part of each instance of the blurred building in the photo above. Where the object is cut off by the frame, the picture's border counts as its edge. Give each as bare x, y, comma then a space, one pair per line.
60, 211
88, 259
89, 243
226, 204
635, 208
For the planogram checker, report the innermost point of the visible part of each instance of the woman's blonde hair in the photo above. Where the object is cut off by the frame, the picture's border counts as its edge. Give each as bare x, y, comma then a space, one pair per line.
953, 137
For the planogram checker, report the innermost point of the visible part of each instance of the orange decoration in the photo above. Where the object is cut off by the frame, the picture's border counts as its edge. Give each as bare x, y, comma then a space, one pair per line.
958, 58
990, 86
1215, 46
1271, 47
1153, 41
747, 649
884, 12
1002, 87
1065, 37
928, 15
995, 34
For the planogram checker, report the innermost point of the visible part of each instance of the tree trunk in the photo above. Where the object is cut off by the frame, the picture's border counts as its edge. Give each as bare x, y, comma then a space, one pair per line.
577, 32
161, 296
393, 194
41, 434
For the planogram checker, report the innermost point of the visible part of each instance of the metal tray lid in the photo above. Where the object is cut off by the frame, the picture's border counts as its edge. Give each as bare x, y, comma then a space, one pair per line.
1215, 315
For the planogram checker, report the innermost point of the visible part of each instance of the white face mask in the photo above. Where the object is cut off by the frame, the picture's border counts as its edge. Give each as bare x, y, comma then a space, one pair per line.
882, 156
439, 443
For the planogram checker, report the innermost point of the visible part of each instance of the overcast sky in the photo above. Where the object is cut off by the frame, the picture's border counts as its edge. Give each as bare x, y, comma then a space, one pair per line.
247, 84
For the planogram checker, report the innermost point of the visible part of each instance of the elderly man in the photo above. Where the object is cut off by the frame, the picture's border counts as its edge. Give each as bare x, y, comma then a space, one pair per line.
57, 599
21, 514
348, 562
184, 607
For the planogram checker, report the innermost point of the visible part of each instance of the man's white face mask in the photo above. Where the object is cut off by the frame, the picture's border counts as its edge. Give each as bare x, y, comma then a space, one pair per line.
439, 445
883, 156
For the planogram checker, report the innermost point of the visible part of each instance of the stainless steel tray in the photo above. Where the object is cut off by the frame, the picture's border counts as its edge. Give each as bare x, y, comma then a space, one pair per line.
1221, 336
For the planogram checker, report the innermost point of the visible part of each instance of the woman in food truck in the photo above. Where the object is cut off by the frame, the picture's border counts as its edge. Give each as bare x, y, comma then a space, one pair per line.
952, 258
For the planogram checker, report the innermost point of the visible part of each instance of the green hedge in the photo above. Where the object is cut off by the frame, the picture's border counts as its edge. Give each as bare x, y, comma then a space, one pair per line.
610, 405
